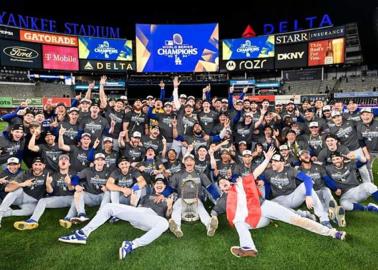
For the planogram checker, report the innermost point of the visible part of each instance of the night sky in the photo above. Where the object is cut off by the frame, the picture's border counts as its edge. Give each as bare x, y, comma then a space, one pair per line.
232, 19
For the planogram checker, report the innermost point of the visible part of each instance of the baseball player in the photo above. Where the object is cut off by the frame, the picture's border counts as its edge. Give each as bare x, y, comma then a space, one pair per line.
149, 216
12, 144
58, 186
321, 181
347, 186
12, 171
91, 191
285, 191
195, 180
25, 190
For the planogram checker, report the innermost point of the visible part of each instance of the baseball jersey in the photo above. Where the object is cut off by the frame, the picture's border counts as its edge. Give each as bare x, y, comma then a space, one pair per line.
179, 178
369, 134
316, 172
347, 134
94, 180
282, 183
125, 180
38, 189
59, 185
344, 177
159, 208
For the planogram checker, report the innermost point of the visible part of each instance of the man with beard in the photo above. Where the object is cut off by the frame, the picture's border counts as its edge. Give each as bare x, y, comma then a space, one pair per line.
133, 150
121, 182
25, 190
177, 182
207, 117
285, 190
135, 120
79, 155
321, 181
148, 216
95, 124
347, 186
154, 140
345, 131
49, 151
57, 185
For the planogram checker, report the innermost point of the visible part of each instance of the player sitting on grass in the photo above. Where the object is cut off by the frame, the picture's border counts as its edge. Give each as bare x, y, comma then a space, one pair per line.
149, 216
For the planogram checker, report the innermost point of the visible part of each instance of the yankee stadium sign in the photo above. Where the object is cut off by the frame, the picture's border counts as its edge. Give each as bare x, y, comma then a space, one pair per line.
43, 24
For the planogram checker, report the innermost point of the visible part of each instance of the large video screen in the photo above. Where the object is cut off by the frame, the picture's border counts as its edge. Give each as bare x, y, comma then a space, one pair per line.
326, 52
248, 48
177, 48
105, 49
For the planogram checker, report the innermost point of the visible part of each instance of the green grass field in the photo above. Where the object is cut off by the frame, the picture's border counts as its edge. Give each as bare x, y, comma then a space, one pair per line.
280, 246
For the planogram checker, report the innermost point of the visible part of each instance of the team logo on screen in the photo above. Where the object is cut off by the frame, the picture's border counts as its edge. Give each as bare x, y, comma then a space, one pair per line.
176, 49
105, 49
247, 48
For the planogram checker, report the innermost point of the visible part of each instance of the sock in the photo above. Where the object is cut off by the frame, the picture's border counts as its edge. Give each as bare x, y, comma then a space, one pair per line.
375, 196
359, 207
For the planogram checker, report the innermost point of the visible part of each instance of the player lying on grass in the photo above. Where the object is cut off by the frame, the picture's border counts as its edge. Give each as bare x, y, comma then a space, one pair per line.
247, 209
148, 216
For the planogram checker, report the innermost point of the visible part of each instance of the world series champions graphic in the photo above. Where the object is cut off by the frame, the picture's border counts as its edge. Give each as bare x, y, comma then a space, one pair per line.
177, 48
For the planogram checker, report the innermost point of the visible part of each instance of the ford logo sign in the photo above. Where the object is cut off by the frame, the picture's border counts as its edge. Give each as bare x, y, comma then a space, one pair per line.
20, 52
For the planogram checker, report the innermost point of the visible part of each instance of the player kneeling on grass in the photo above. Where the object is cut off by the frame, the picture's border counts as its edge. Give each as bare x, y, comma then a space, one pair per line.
246, 209
188, 206
347, 186
149, 216
59, 188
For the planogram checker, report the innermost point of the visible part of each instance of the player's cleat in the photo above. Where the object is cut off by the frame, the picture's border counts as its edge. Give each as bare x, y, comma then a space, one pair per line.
212, 227
243, 252
332, 210
29, 224
65, 223
113, 220
327, 224
175, 229
126, 248
79, 219
78, 237
340, 216
340, 235
372, 207
309, 215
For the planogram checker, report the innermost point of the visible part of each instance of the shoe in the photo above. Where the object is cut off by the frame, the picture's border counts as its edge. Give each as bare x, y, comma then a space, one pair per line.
114, 220
65, 223
79, 219
126, 248
332, 211
340, 235
243, 252
175, 229
212, 227
78, 237
372, 207
309, 215
29, 224
327, 224
340, 216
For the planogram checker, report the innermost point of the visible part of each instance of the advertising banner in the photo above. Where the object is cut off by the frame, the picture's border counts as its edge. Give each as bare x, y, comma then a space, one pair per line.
53, 101
108, 66
294, 37
248, 48
48, 38
6, 102
9, 32
60, 58
177, 48
327, 33
291, 55
105, 49
32, 102
326, 52
245, 65
20, 54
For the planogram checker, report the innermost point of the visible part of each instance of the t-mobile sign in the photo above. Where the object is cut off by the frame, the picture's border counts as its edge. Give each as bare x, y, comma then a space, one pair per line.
60, 58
